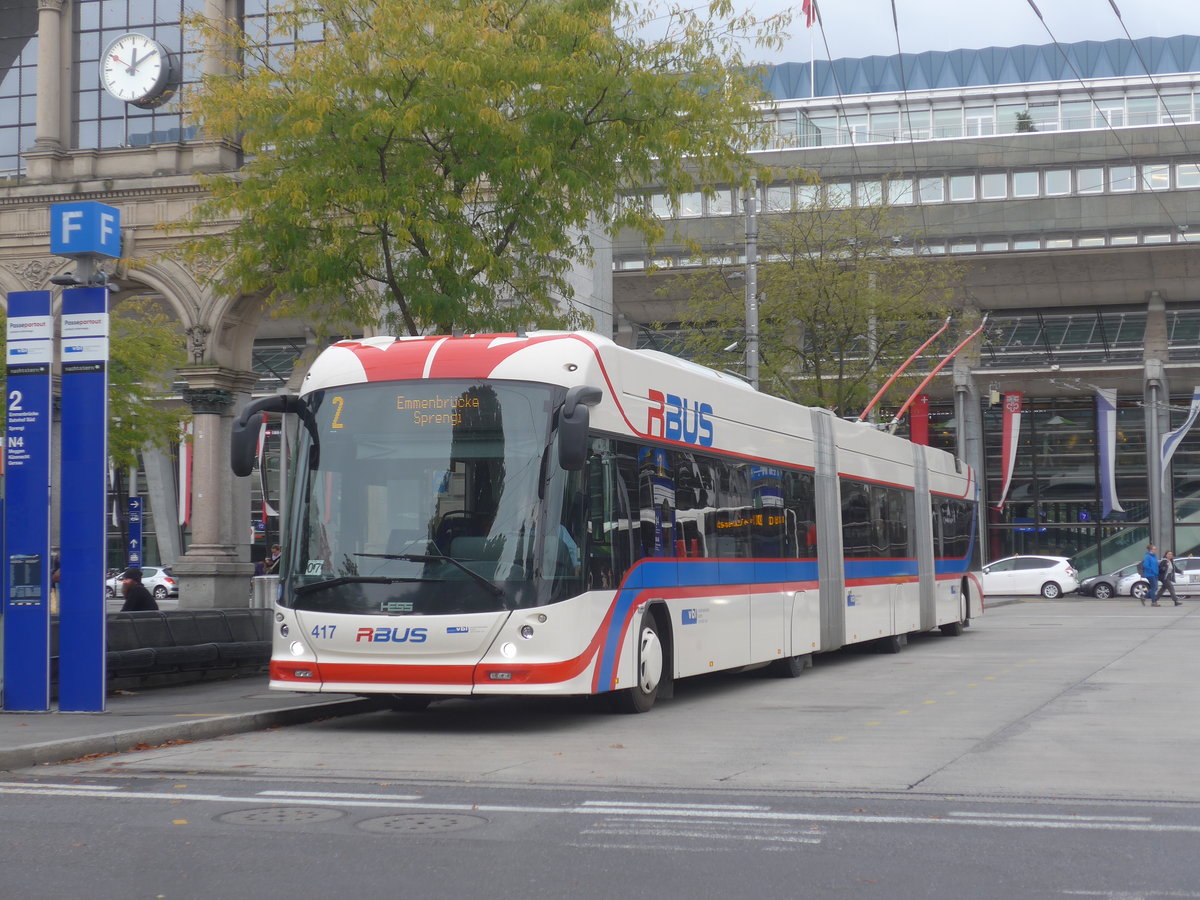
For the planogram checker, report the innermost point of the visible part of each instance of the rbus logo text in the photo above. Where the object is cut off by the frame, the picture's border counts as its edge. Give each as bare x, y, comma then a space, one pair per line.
679, 419
392, 635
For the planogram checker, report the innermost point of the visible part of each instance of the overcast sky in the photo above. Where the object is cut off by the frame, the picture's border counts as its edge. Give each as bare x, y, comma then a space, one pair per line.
864, 27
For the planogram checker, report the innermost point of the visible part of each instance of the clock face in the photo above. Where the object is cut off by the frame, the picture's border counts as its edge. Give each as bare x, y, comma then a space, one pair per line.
136, 69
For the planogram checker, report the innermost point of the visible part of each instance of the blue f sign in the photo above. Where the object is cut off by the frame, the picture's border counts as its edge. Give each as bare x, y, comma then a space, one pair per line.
86, 228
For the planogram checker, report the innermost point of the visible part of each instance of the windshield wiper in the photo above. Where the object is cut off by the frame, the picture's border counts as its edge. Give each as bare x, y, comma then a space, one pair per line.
350, 579
495, 589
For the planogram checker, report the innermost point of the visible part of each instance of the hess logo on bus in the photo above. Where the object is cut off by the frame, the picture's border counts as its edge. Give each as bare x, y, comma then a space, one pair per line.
679, 419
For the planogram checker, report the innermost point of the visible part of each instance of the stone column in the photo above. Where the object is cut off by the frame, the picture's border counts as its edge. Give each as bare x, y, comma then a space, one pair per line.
214, 571
47, 132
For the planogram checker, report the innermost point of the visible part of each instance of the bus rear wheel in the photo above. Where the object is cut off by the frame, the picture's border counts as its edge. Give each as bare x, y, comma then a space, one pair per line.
640, 698
791, 666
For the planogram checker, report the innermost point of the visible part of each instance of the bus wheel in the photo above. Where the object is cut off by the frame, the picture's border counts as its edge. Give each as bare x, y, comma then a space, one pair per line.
409, 702
790, 667
640, 697
892, 644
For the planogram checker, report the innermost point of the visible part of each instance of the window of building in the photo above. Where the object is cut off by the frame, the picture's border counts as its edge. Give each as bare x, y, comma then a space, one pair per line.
993, 246
808, 196
838, 194
931, 190
1187, 175
1091, 241
1177, 108
1121, 179
1156, 237
1089, 181
1142, 110
964, 246
778, 198
870, 193
660, 206
1156, 177
1045, 115
690, 205
1057, 182
1027, 242
979, 120
1025, 184
1076, 115
885, 126
1058, 243
721, 203
947, 123
1122, 240
915, 125
993, 185
1110, 113
900, 191
18, 86
962, 187
855, 129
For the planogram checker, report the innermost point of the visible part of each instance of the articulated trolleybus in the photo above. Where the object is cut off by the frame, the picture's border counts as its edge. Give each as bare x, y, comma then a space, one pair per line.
554, 514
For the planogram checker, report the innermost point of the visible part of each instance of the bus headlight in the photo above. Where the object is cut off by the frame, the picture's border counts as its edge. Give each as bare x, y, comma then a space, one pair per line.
297, 648
283, 630
508, 650
527, 631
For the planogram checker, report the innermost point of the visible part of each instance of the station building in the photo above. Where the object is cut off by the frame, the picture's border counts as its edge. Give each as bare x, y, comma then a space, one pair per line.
1064, 178
1066, 181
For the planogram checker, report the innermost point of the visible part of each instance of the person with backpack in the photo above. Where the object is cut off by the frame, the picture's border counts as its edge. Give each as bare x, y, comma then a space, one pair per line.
1166, 577
1150, 573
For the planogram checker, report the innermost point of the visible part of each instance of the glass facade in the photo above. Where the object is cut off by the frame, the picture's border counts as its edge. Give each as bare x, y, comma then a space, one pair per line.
18, 82
102, 121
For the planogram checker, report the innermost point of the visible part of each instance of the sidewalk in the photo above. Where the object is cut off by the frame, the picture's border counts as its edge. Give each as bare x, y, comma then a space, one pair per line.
191, 712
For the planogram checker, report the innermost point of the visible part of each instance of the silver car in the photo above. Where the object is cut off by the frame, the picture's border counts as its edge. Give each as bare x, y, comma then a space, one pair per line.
158, 580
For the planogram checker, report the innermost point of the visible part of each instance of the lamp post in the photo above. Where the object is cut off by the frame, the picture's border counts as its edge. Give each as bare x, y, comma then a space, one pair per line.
751, 206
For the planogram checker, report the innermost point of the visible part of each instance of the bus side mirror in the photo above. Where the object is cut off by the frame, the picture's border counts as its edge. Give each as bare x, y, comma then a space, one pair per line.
243, 441
573, 421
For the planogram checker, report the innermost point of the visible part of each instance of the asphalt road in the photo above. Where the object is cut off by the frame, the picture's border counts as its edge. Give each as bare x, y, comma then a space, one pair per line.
1048, 752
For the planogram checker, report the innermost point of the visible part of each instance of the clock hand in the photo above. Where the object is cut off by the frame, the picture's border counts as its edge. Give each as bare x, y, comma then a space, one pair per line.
133, 65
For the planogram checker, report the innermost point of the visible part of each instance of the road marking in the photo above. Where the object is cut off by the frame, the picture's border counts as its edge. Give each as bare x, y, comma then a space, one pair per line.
80, 787
672, 806
633, 810
384, 797
1064, 818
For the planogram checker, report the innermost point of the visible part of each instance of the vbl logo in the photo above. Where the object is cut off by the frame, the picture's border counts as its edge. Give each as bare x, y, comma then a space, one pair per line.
392, 635
679, 419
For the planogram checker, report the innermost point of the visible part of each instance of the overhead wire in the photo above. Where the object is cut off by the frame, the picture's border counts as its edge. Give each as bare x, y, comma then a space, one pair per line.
1092, 98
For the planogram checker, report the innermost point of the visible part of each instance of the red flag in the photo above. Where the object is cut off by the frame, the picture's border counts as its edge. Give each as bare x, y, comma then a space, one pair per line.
1010, 441
809, 8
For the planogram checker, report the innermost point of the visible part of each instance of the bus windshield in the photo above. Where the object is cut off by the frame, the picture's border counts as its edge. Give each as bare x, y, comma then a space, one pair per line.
426, 499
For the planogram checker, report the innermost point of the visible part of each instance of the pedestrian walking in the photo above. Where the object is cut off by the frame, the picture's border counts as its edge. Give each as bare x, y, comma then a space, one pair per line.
1150, 573
271, 564
1166, 577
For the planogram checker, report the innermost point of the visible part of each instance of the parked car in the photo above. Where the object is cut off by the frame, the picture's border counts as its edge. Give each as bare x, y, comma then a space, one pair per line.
158, 580
1104, 586
1050, 576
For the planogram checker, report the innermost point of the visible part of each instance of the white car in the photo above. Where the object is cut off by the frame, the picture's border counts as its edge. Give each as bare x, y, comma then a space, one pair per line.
158, 580
1050, 576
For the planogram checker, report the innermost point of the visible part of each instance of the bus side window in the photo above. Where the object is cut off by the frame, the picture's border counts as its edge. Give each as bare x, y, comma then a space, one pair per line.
609, 537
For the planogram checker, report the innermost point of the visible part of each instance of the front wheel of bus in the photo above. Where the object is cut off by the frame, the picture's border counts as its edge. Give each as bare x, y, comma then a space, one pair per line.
640, 697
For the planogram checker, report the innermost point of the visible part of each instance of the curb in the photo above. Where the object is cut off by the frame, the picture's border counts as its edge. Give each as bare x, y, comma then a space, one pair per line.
53, 752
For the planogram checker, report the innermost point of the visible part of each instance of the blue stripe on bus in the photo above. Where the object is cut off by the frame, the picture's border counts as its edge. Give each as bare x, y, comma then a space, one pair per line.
676, 573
